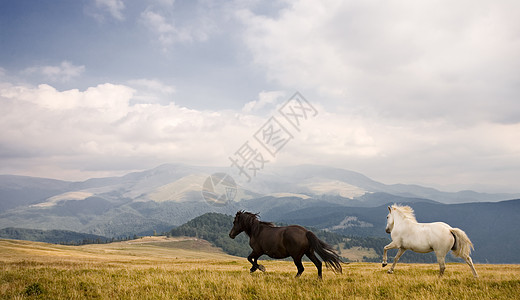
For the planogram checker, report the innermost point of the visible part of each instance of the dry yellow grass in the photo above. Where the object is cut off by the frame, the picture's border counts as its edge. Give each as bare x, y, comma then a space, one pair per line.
172, 269
357, 253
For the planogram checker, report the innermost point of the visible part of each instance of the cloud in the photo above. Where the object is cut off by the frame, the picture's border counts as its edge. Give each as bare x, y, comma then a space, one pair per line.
406, 92
151, 91
264, 99
114, 7
160, 21
103, 130
63, 72
401, 59
423, 91
99, 130
435, 153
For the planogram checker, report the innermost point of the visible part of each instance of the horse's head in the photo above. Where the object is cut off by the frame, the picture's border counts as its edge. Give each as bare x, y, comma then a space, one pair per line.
389, 220
237, 225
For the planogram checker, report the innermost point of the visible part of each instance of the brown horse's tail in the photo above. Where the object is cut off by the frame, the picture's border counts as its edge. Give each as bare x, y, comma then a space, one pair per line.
325, 251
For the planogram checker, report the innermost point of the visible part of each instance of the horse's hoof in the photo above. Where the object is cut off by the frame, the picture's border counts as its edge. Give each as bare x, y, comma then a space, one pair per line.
384, 264
261, 268
390, 272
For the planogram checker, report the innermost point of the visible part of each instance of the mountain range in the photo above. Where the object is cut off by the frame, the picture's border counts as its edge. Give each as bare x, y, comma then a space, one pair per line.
328, 198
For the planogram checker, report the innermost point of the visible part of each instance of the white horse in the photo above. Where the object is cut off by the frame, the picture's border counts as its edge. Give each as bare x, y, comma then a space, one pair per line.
440, 237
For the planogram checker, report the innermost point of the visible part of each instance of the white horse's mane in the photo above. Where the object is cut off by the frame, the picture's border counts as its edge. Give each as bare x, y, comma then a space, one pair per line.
406, 212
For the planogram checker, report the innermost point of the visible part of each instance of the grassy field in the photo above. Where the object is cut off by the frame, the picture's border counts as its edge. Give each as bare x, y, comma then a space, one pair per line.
186, 268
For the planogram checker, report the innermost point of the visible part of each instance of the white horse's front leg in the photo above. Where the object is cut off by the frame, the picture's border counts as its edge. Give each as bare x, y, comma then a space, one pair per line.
396, 258
392, 245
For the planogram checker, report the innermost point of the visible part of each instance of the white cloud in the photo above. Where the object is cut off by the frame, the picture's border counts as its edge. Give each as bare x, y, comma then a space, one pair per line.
422, 91
401, 59
264, 99
168, 31
75, 134
152, 91
483, 156
99, 130
154, 84
104, 98
63, 72
406, 91
114, 7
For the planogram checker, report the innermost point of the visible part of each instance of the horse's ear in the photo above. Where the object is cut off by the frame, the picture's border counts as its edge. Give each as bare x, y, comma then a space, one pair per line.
390, 209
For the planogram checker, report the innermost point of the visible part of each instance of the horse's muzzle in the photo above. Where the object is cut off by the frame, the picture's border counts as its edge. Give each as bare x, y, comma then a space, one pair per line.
232, 236
388, 230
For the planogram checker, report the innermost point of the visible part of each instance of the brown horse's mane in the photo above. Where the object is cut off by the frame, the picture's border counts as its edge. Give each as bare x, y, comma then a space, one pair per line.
250, 223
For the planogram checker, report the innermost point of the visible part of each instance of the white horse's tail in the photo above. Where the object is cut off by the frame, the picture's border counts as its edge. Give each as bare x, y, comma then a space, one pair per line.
463, 246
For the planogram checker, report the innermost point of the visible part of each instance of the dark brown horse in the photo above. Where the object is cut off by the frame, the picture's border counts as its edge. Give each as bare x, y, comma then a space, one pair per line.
282, 242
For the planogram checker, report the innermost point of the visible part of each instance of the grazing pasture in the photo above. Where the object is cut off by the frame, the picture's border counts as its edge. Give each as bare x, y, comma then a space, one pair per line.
188, 268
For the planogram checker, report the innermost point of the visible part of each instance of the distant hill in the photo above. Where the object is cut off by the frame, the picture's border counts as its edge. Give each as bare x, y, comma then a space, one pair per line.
169, 195
52, 236
16, 191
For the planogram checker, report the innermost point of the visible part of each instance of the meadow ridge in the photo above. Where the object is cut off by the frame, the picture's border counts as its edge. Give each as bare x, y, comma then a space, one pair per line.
190, 268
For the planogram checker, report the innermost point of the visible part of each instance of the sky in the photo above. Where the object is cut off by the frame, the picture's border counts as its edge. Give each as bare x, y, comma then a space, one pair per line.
412, 92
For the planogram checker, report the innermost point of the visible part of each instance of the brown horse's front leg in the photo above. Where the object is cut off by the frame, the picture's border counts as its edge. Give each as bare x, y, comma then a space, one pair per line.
253, 258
